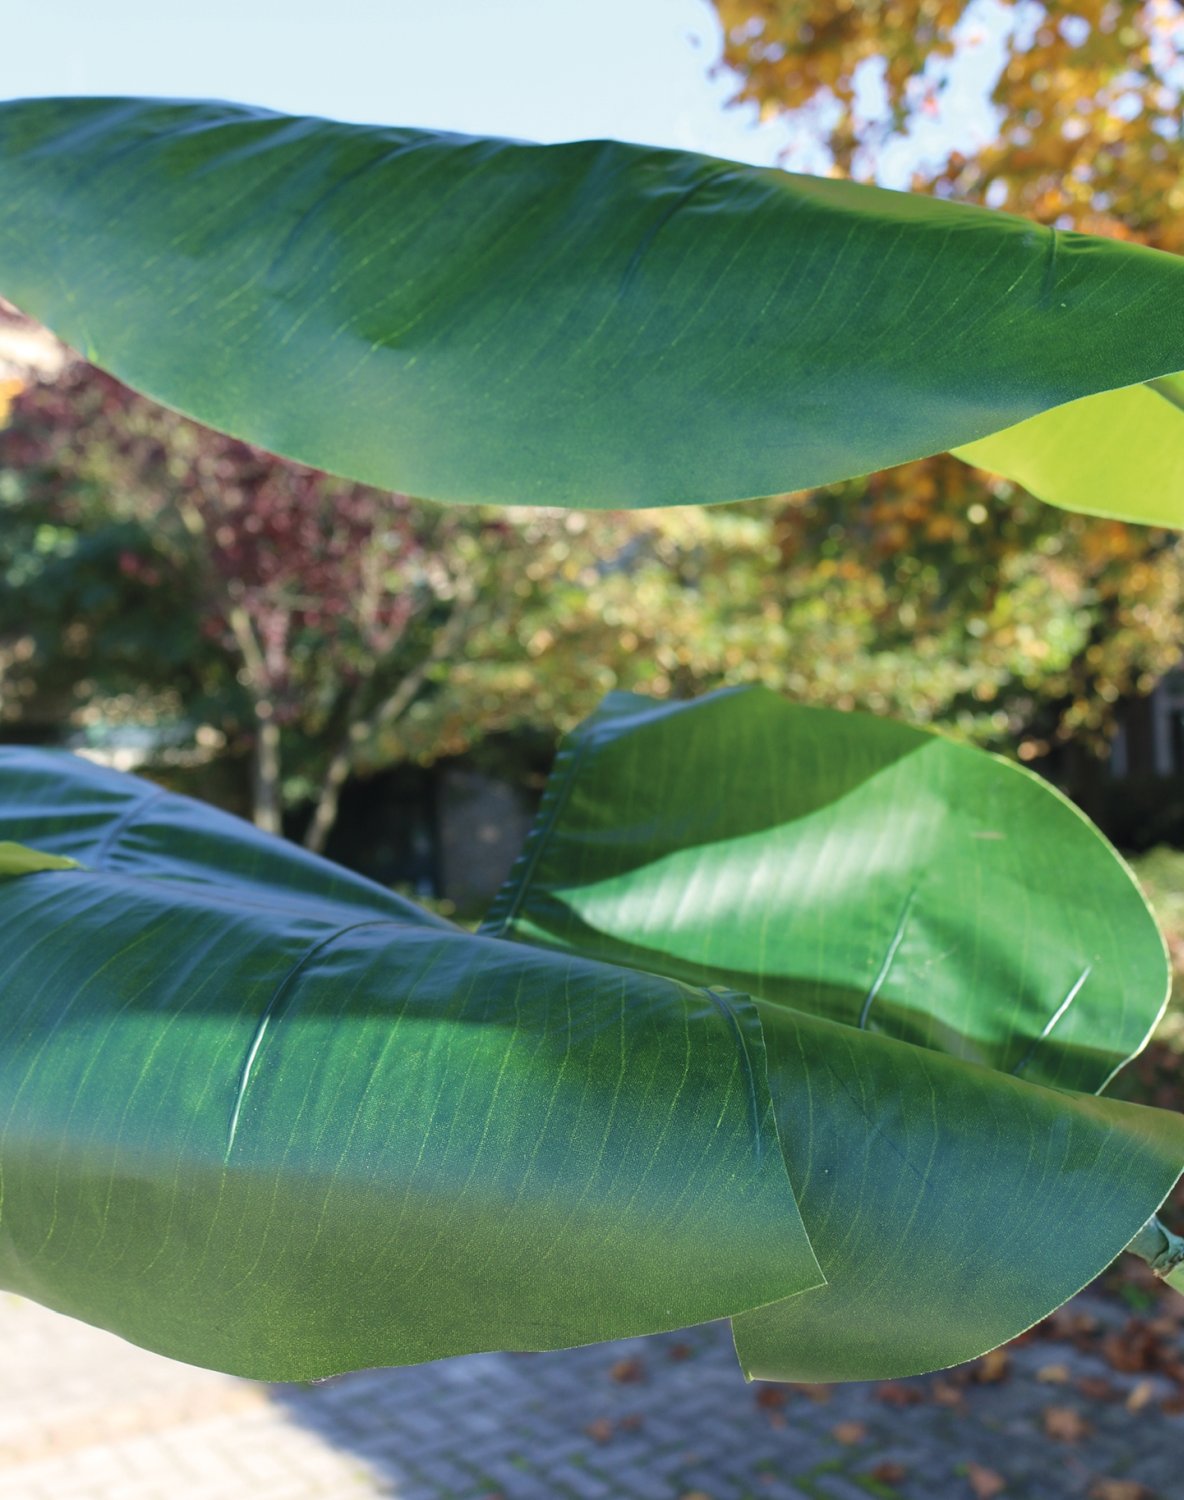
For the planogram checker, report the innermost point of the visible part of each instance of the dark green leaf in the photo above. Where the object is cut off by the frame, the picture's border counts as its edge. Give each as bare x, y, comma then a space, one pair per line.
258, 1114
941, 948
593, 324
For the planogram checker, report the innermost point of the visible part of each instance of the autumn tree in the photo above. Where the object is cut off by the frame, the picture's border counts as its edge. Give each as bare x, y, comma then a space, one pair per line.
153, 569
1086, 136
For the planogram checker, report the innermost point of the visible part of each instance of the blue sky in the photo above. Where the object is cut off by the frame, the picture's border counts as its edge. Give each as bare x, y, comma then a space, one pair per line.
537, 69
543, 69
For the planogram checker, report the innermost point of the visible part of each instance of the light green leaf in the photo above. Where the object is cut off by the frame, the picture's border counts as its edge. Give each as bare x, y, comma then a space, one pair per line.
942, 950
16, 859
258, 1114
592, 324
1119, 454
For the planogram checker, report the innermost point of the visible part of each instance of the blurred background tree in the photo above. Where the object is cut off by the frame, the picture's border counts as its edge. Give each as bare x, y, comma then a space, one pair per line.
170, 588
178, 591
1086, 135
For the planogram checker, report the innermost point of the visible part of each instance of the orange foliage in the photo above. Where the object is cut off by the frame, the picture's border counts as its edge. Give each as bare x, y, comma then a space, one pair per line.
1088, 138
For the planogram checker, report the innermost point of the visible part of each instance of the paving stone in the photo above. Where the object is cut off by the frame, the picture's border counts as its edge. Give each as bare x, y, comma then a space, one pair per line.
84, 1416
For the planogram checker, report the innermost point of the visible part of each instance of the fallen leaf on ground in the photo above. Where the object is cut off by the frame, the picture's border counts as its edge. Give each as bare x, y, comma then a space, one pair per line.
945, 1393
1065, 1423
892, 1393
985, 1482
992, 1366
1132, 1349
849, 1433
600, 1431
1119, 1489
1053, 1374
889, 1473
770, 1397
626, 1371
1141, 1396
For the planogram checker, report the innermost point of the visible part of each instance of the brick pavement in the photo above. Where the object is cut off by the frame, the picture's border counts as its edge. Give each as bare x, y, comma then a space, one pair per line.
84, 1416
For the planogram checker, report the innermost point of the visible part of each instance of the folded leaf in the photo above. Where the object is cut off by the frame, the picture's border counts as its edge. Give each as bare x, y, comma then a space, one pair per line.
941, 947
592, 324
256, 1114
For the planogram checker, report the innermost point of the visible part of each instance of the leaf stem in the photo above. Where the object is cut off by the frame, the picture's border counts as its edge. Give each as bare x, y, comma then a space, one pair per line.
1162, 1250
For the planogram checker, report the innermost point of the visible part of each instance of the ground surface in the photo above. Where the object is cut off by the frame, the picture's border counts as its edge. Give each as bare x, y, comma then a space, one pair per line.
1091, 1406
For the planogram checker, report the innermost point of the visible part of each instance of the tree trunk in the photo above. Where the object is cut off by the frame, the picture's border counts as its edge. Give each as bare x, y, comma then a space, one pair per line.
266, 808
266, 798
387, 713
325, 814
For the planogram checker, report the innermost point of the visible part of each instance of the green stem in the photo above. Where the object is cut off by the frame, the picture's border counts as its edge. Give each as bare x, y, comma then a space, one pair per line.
1162, 1250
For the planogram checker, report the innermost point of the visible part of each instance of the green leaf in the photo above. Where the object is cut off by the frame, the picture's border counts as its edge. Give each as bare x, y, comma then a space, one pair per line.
592, 324
1119, 454
16, 859
258, 1114
943, 953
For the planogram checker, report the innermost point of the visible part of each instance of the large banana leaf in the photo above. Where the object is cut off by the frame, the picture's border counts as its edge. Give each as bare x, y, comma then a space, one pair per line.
259, 1114
942, 950
593, 324
1119, 454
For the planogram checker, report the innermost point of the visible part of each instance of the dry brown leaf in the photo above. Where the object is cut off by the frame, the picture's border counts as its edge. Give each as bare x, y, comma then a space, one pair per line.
1119, 1489
1053, 1374
1133, 1349
626, 1371
992, 1366
892, 1393
1065, 1423
945, 1393
849, 1433
1142, 1394
819, 1393
889, 1473
985, 1482
770, 1397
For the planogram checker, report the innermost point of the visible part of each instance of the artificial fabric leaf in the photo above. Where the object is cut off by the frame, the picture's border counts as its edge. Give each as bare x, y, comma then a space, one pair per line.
590, 324
943, 953
260, 1115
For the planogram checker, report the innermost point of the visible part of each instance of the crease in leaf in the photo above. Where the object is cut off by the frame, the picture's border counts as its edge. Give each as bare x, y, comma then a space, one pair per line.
905, 969
291, 1132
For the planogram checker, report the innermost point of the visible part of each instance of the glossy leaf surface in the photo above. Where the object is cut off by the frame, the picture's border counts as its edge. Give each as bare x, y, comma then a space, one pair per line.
257, 1114
593, 324
941, 948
